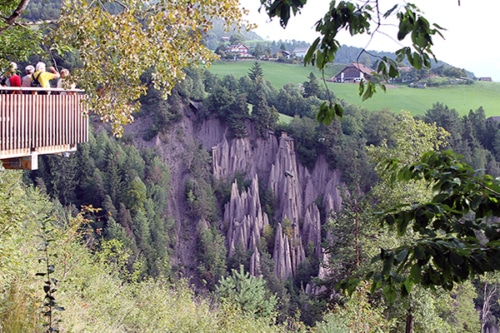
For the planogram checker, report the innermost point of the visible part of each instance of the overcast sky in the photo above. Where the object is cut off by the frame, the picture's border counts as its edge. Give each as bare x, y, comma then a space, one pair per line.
471, 39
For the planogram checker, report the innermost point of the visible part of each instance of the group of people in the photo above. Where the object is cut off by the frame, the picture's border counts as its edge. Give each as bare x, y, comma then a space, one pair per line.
38, 74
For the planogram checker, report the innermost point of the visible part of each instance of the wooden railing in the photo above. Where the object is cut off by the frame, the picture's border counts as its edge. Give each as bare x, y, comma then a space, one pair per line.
35, 124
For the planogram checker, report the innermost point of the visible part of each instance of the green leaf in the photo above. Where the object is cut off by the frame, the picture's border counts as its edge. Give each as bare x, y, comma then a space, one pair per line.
339, 110
309, 57
361, 88
415, 273
388, 258
404, 28
406, 287
389, 12
419, 252
417, 61
326, 113
456, 259
402, 255
390, 293
476, 201
393, 71
402, 223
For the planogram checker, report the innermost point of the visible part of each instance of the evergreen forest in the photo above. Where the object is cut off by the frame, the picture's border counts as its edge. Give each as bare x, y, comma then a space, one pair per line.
229, 205
110, 244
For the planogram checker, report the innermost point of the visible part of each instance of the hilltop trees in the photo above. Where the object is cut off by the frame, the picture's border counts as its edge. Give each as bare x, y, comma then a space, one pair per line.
231, 100
311, 87
109, 37
263, 115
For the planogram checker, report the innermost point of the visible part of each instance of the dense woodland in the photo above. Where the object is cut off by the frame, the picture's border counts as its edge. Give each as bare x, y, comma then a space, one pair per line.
126, 237
89, 244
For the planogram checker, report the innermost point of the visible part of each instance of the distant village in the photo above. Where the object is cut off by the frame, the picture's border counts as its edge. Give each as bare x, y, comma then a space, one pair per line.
235, 50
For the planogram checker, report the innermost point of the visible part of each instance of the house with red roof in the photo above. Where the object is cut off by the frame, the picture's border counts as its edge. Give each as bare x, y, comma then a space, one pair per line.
240, 50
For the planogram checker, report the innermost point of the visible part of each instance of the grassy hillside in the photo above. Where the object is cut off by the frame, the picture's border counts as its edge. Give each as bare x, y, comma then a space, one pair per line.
417, 101
279, 74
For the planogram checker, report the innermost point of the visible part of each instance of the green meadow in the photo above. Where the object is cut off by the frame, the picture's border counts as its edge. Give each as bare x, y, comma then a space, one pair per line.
278, 74
400, 97
395, 99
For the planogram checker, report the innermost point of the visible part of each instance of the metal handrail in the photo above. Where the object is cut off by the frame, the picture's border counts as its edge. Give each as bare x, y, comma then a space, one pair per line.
5, 88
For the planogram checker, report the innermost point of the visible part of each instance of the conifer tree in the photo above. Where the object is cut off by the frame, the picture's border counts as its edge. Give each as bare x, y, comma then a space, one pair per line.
264, 116
311, 87
248, 293
256, 73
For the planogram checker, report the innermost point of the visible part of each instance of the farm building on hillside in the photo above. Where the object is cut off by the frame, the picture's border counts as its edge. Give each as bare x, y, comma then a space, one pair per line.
239, 49
300, 52
353, 73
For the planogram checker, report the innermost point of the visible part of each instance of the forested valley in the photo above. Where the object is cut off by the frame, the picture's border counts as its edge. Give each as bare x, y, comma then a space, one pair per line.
190, 223
228, 207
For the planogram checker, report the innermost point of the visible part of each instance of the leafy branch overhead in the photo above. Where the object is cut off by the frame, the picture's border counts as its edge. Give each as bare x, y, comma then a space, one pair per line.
117, 42
358, 19
457, 230
117, 49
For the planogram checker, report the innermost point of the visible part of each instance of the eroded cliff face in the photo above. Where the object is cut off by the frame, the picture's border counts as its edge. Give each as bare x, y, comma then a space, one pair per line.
271, 162
297, 221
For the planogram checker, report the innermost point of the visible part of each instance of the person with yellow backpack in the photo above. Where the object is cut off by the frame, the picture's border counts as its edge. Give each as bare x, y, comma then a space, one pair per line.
41, 78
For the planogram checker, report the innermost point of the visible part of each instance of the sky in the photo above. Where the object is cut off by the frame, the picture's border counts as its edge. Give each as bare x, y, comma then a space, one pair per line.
471, 37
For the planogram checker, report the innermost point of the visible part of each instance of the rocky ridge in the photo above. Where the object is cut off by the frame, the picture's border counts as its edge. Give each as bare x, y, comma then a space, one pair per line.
298, 192
272, 161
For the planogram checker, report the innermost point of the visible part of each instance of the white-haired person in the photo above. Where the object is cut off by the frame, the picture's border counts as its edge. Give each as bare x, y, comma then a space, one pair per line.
65, 81
26, 80
44, 77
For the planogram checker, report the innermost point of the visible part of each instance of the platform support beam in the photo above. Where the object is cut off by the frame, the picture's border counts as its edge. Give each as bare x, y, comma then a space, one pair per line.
21, 163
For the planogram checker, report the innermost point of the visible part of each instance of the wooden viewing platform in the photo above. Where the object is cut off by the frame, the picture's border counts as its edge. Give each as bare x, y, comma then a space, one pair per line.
33, 124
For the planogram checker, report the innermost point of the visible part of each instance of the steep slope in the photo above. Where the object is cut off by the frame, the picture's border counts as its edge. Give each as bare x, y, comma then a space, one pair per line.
272, 161
297, 219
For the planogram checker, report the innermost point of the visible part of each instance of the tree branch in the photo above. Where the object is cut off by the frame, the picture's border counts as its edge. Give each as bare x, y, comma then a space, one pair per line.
19, 10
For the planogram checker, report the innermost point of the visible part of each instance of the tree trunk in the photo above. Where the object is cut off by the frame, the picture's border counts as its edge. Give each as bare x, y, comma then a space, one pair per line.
409, 321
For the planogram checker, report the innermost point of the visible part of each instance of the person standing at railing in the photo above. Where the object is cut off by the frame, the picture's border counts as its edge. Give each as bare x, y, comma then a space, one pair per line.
65, 81
14, 78
4, 78
26, 80
44, 77
11, 79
